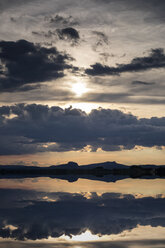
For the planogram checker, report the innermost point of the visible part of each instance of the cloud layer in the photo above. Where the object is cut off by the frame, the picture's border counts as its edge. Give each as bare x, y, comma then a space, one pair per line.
39, 128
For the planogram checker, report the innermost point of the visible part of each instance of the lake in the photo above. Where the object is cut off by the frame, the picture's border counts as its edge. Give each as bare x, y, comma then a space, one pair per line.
45, 212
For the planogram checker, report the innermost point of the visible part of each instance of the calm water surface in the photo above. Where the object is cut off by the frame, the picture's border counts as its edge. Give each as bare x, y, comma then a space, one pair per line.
46, 212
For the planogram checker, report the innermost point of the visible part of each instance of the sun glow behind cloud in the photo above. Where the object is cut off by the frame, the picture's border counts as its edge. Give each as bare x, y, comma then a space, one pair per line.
79, 88
86, 236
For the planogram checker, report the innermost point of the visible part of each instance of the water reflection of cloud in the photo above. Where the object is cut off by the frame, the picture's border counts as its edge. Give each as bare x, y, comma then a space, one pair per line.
127, 186
124, 244
39, 215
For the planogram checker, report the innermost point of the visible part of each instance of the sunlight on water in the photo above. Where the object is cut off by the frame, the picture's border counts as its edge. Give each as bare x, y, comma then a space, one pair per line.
127, 186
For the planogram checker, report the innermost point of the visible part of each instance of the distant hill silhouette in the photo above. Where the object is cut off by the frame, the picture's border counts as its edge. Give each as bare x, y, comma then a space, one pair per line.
106, 171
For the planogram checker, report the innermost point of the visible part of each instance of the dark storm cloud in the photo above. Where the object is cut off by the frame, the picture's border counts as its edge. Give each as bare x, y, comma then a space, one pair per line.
33, 126
71, 214
68, 34
17, 145
155, 60
23, 62
65, 34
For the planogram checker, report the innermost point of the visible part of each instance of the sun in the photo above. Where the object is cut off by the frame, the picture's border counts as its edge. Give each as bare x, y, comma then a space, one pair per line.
79, 88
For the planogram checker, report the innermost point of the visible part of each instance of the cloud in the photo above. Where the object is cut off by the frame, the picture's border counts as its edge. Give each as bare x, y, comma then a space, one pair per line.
153, 9
155, 60
61, 20
38, 215
134, 95
39, 128
107, 97
68, 34
23, 63
103, 37
47, 34
101, 40
65, 34
142, 83
7, 4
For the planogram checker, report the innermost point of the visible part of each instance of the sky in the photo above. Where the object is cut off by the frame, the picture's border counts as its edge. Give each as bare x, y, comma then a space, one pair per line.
82, 81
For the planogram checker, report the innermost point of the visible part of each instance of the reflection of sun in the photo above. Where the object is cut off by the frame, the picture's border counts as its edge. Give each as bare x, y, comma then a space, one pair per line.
79, 88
